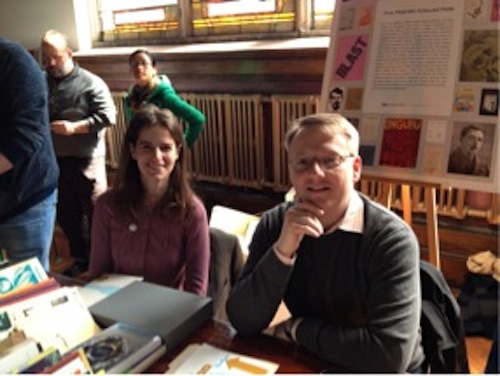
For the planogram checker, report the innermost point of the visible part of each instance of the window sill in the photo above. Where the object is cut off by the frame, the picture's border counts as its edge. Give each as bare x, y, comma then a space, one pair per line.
320, 43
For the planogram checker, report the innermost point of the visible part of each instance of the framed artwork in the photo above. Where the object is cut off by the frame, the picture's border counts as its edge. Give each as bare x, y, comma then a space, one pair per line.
489, 102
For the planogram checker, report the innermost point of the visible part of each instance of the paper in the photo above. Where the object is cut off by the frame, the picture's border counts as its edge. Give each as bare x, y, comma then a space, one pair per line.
416, 60
101, 288
207, 359
57, 318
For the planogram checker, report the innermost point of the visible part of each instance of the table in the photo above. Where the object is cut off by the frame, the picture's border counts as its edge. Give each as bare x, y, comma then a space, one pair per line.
291, 358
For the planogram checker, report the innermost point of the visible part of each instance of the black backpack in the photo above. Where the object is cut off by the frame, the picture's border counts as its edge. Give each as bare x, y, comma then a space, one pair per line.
478, 302
443, 334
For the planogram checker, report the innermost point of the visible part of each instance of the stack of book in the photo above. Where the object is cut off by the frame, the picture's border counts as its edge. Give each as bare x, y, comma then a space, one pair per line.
48, 328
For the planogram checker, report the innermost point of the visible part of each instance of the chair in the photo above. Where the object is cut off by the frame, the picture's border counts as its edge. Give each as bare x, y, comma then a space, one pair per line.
235, 222
226, 265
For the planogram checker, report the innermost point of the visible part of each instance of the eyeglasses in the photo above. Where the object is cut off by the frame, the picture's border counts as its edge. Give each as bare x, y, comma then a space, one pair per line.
135, 64
327, 164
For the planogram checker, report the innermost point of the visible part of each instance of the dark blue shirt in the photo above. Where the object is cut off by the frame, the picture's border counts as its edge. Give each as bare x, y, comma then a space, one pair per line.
25, 138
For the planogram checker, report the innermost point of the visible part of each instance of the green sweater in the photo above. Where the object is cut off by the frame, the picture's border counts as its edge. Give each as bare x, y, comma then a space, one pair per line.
358, 294
164, 96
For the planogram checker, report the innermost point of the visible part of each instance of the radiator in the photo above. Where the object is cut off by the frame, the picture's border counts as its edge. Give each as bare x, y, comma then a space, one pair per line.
116, 133
284, 110
231, 151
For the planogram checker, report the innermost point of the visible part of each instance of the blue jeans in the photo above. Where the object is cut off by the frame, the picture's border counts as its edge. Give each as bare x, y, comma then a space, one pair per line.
29, 234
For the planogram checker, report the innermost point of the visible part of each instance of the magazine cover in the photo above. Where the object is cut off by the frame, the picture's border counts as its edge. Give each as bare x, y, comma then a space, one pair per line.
400, 142
21, 274
118, 348
57, 318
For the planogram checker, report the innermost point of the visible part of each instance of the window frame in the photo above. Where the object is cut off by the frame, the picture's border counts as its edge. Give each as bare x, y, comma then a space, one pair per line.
303, 27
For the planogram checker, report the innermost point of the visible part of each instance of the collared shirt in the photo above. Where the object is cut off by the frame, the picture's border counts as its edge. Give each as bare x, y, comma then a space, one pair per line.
353, 219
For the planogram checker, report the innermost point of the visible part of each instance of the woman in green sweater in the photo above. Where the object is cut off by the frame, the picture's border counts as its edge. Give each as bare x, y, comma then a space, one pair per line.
156, 89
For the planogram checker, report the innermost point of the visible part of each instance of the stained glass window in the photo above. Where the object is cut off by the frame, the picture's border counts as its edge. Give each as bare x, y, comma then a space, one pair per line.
185, 20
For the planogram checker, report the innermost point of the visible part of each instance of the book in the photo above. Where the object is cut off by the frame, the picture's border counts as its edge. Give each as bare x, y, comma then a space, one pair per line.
148, 361
18, 355
19, 274
119, 348
57, 318
72, 363
40, 362
29, 291
168, 312
102, 287
207, 359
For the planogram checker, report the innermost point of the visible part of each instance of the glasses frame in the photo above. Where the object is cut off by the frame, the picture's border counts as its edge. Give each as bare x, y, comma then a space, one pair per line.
304, 164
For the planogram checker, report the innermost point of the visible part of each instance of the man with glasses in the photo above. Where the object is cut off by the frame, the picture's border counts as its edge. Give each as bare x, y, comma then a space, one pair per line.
346, 268
81, 108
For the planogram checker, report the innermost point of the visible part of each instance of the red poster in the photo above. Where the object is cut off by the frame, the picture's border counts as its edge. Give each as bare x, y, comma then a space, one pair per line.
495, 11
400, 142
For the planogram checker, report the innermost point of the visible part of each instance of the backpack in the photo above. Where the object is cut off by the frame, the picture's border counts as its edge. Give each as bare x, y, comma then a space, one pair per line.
443, 334
478, 300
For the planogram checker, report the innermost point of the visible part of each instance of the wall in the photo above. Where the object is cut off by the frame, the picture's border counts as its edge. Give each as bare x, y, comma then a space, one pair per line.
21, 20
274, 67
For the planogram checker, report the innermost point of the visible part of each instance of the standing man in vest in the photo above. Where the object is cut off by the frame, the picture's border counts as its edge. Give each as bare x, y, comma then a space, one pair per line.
80, 107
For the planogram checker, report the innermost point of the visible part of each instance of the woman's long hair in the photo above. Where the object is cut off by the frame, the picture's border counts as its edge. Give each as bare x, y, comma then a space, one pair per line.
128, 185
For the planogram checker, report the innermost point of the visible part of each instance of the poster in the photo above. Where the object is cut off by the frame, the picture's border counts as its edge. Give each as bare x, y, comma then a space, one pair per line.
411, 75
415, 65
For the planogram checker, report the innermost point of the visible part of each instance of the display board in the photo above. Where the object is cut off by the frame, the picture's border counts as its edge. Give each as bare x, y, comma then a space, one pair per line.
419, 79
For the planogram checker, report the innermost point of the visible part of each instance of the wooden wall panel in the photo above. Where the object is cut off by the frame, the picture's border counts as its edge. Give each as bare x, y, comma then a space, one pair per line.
263, 72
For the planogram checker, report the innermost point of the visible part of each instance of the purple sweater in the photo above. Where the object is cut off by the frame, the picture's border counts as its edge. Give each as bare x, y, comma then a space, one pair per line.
163, 250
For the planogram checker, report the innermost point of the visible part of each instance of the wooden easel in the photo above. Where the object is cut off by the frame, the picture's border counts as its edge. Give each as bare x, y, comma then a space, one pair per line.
430, 206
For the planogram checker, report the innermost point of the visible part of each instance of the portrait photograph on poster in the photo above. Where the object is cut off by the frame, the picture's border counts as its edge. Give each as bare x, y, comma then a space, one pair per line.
337, 95
471, 149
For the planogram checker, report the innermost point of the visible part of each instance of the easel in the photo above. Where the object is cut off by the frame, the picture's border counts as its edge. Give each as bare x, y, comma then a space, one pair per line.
430, 206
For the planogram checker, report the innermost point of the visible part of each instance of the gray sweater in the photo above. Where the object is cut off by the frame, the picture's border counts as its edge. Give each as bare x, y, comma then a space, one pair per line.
78, 96
359, 294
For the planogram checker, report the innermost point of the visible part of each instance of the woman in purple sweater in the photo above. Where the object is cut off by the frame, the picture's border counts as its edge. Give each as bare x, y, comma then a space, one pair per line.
150, 223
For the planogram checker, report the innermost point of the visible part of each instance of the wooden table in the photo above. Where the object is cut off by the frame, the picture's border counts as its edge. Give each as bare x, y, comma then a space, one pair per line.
291, 358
